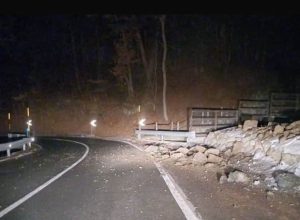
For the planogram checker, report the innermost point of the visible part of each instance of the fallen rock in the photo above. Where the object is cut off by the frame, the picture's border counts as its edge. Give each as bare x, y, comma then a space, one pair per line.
182, 161
199, 159
182, 150
292, 146
223, 179
278, 130
191, 152
151, 149
237, 147
286, 180
275, 154
173, 147
270, 181
238, 177
210, 165
214, 159
163, 150
256, 182
200, 149
290, 159
212, 151
165, 156
297, 170
248, 124
269, 195
227, 154
293, 125
176, 156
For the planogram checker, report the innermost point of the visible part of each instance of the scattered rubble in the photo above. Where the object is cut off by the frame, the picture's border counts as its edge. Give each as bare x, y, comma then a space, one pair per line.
196, 155
212, 151
268, 149
211, 158
286, 180
272, 151
270, 195
238, 177
223, 179
199, 159
250, 124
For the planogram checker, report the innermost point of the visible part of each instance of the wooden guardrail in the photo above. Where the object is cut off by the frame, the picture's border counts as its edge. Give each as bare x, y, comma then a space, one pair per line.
203, 120
253, 109
284, 104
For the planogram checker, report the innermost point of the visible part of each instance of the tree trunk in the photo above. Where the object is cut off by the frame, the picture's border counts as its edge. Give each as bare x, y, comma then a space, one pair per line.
98, 63
129, 83
128, 76
162, 21
146, 65
75, 62
155, 76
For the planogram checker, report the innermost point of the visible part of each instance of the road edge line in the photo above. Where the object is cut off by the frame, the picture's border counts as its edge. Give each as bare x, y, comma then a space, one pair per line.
181, 199
44, 185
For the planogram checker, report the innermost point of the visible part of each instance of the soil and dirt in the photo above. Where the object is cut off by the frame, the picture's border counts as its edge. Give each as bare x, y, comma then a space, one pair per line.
232, 200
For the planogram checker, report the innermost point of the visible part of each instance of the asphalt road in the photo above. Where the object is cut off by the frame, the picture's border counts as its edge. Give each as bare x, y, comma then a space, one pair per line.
114, 181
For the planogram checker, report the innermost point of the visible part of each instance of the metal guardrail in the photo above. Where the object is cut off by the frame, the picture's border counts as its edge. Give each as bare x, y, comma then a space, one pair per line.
165, 133
19, 144
11, 135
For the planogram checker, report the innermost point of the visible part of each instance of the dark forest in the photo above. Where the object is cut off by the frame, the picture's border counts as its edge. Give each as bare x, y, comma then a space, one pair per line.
102, 64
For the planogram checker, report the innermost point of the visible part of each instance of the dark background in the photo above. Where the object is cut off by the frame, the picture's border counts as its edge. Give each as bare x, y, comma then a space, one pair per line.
59, 57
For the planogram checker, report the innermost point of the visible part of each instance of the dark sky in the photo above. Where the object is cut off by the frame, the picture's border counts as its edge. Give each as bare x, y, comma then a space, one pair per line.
37, 52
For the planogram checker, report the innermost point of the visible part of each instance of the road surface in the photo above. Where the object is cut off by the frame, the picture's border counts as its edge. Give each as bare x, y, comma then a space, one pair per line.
113, 181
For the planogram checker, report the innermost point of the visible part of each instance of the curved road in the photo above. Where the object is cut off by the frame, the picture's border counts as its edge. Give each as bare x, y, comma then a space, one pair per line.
114, 181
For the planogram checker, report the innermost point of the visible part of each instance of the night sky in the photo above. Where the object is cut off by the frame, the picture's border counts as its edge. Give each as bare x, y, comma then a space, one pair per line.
37, 52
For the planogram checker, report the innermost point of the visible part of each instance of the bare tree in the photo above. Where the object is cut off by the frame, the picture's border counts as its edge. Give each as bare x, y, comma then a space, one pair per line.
149, 64
75, 61
162, 21
125, 57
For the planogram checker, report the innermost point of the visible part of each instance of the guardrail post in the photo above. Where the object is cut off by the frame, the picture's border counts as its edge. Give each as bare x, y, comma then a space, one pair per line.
216, 120
156, 126
172, 126
139, 134
8, 152
177, 125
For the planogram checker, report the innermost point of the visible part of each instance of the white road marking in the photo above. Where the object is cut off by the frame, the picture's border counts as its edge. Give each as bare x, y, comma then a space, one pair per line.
41, 187
184, 204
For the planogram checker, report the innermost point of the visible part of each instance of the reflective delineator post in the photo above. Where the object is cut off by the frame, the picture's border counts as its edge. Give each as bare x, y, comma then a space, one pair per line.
29, 123
8, 117
28, 112
93, 125
141, 123
8, 150
140, 129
